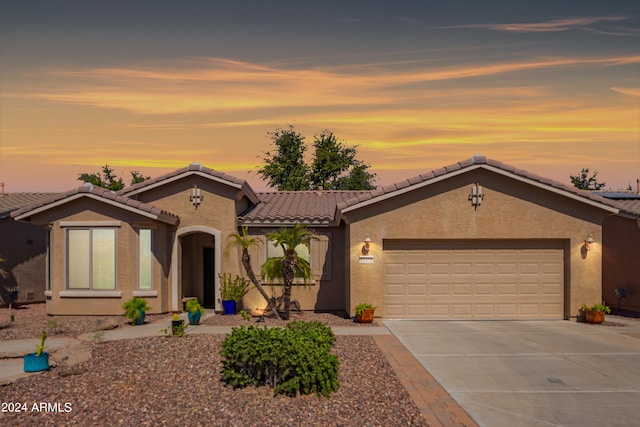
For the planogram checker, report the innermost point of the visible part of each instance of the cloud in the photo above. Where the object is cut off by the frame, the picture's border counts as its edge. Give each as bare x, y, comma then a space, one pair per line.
222, 85
549, 26
631, 91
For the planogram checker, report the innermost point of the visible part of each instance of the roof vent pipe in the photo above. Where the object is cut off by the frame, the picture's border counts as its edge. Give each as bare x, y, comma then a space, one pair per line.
2, 187
637, 186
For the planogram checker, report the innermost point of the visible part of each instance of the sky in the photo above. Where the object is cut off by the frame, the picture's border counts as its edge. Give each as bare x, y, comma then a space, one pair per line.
547, 86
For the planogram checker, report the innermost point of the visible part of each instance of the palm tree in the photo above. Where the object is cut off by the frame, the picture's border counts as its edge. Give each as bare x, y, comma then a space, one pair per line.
245, 241
290, 265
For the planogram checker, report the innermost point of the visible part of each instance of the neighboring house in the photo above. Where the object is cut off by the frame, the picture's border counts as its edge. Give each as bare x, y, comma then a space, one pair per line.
24, 247
621, 253
477, 239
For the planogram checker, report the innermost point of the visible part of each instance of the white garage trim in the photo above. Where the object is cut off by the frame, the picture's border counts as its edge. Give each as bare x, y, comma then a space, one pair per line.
474, 279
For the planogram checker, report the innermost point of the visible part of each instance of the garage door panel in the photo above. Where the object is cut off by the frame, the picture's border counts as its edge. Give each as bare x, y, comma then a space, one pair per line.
466, 282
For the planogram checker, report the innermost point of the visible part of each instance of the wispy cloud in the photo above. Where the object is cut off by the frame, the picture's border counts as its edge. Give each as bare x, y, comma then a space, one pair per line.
221, 85
631, 91
548, 26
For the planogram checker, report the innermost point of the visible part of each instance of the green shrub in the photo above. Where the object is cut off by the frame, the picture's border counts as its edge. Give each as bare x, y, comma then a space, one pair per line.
233, 288
292, 360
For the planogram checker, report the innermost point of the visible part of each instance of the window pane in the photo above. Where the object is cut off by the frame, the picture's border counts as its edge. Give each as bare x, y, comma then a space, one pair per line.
104, 259
78, 259
144, 257
276, 251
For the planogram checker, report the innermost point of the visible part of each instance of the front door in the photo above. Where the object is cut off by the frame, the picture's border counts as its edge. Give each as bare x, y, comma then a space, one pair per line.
208, 278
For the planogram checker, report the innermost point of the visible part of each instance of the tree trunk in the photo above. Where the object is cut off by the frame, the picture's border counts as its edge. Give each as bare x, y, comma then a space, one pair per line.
246, 262
288, 277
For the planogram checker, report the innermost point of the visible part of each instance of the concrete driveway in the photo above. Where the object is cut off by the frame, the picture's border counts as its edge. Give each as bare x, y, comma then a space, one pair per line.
533, 373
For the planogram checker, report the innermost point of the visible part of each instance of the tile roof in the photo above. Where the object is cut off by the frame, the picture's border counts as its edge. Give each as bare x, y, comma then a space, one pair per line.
290, 207
193, 167
476, 160
103, 193
12, 201
627, 200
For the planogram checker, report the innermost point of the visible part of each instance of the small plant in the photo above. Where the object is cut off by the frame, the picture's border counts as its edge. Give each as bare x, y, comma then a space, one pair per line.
54, 326
40, 347
13, 317
233, 288
193, 306
245, 315
360, 308
133, 307
98, 336
175, 317
293, 360
178, 329
601, 307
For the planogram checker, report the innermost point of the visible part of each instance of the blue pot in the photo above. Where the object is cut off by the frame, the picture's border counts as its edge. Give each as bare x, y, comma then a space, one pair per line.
35, 363
229, 306
194, 318
140, 319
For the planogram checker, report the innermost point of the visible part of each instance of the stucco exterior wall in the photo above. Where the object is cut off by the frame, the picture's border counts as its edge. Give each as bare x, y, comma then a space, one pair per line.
92, 212
326, 290
219, 210
621, 262
510, 210
24, 246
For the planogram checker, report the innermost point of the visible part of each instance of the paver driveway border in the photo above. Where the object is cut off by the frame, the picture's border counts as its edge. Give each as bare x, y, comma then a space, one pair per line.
532, 373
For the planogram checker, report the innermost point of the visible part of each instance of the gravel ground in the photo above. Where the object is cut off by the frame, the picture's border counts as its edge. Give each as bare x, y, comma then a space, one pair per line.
176, 381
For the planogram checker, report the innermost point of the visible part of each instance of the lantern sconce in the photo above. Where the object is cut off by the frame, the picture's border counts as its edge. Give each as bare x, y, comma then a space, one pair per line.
196, 196
366, 247
588, 241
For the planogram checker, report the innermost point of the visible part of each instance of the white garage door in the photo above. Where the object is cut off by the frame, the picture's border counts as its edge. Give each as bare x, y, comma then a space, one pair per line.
473, 279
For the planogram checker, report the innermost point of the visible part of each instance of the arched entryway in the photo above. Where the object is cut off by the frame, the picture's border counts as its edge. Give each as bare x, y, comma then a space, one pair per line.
195, 264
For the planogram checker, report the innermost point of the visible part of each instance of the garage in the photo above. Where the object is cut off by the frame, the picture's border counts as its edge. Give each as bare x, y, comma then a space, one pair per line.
474, 279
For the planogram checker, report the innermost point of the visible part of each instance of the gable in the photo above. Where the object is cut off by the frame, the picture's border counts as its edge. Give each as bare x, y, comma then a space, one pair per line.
479, 170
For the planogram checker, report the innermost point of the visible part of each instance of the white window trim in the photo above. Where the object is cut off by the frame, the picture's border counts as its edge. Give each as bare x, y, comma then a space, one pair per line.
89, 294
76, 226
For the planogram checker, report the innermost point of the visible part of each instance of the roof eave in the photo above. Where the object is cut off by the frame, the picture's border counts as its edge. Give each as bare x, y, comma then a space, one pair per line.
442, 177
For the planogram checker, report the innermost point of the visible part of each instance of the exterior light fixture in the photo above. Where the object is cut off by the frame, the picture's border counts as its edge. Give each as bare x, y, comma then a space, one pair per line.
196, 196
365, 248
588, 241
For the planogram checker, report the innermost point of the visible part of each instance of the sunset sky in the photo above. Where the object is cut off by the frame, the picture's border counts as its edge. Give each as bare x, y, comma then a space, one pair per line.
547, 86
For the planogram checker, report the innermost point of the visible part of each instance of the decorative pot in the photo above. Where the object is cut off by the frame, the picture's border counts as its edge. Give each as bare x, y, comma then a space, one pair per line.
140, 319
35, 363
176, 326
366, 316
229, 306
594, 317
194, 318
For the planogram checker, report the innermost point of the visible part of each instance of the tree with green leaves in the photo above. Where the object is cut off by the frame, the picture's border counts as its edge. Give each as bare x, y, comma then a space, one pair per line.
289, 265
285, 168
109, 180
246, 241
586, 182
333, 167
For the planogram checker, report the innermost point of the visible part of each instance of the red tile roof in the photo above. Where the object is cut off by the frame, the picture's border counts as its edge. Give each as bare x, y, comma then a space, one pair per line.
389, 190
88, 189
290, 207
12, 201
192, 168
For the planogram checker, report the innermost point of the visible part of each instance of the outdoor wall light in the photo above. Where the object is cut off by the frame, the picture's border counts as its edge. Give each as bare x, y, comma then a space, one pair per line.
588, 241
196, 196
365, 248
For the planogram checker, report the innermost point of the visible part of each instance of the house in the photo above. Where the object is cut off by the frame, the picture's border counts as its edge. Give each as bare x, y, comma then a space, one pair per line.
475, 240
24, 248
621, 253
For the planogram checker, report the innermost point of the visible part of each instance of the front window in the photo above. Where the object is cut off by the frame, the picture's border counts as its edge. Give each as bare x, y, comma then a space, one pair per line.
275, 251
144, 259
91, 259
